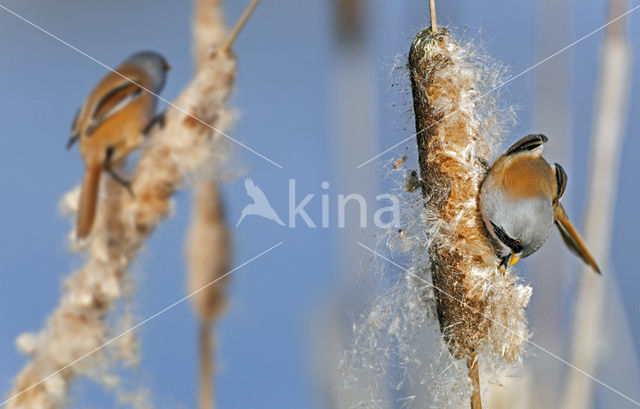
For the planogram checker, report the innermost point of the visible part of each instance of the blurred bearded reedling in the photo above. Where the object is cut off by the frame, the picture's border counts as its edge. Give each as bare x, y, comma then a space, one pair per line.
112, 122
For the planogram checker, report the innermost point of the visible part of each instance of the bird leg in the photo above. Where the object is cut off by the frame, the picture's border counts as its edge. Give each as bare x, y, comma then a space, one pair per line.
121, 181
158, 119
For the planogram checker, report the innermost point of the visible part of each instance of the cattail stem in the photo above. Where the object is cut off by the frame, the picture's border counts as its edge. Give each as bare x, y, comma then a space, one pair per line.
206, 394
208, 257
452, 154
434, 19
474, 376
446, 189
226, 46
208, 248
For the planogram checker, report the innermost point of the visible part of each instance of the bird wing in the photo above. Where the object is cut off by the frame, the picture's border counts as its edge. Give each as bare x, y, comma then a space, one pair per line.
533, 143
113, 101
254, 191
561, 183
75, 132
572, 238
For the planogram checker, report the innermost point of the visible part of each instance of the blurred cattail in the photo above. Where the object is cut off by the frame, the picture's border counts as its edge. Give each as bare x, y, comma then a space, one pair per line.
480, 308
208, 247
611, 107
208, 244
209, 29
208, 258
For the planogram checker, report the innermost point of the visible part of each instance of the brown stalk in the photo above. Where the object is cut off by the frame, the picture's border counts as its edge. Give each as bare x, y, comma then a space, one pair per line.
474, 375
209, 241
206, 389
452, 154
445, 187
208, 258
434, 19
611, 107
226, 46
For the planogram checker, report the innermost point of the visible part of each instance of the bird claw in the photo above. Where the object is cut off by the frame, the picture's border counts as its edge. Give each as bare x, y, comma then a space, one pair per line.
121, 181
158, 119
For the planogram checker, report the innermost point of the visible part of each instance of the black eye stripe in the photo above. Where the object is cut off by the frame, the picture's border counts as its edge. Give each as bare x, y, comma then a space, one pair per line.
514, 245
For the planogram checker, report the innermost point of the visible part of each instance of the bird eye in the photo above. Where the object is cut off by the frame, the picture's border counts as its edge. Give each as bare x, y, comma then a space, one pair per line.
513, 244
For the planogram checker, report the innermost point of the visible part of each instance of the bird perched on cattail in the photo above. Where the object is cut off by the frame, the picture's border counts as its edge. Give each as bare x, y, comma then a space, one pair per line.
520, 201
112, 122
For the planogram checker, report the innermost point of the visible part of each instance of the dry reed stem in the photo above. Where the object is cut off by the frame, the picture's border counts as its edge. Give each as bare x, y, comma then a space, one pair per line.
208, 252
434, 19
209, 258
208, 246
474, 375
453, 153
611, 108
206, 390
70, 344
239, 25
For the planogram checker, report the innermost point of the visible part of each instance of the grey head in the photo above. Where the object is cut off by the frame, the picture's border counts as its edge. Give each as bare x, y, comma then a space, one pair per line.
152, 63
518, 227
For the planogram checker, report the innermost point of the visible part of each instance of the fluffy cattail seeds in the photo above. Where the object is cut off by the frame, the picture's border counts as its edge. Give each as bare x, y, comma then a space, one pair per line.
480, 309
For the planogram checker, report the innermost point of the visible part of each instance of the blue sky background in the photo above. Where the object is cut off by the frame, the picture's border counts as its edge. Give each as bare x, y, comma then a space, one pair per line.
286, 54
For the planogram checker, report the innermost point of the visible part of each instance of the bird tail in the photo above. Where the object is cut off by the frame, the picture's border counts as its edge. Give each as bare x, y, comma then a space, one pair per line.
572, 238
88, 201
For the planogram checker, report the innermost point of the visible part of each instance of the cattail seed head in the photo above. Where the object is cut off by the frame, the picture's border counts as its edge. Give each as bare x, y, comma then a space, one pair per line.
480, 308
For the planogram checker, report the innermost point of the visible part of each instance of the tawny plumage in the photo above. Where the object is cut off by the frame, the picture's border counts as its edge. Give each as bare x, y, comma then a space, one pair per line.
111, 124
520, 201
572, 238
88, 198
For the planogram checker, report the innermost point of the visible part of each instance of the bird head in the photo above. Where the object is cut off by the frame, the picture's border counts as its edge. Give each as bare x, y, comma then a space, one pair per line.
519, 227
